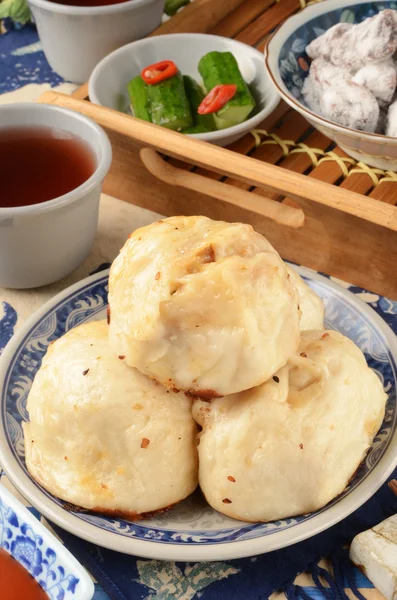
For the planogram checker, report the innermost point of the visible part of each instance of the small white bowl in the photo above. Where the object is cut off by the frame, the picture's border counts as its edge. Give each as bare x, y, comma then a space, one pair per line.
41, 243
286, 63
109, 79
40, 553
75, 38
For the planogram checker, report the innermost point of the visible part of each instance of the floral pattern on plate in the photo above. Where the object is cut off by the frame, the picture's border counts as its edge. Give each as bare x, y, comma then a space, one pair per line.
193, 521
41, 560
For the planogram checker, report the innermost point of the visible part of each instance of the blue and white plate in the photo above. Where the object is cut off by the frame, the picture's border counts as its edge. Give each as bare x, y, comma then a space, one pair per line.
192, 531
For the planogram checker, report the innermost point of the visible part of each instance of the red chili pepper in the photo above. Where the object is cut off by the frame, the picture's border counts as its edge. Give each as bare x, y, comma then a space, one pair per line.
217, 98
159, 72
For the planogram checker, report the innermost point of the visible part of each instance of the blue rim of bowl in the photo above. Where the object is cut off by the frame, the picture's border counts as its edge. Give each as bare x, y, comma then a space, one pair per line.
298, 106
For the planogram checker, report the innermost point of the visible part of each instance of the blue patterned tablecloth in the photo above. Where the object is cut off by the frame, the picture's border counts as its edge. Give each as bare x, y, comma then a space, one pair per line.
22, 62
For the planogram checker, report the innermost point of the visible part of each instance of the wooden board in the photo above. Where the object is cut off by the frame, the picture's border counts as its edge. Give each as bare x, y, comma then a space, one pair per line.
341, 219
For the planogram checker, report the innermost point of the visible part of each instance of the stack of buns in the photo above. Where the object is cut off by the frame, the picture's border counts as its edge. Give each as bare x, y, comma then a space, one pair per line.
214, 368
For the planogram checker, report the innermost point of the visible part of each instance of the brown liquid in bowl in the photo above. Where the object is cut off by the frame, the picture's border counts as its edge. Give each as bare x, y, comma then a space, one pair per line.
16, 583
39, 164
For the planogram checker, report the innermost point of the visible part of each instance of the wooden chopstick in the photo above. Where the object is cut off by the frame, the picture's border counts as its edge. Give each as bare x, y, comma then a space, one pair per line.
393, 486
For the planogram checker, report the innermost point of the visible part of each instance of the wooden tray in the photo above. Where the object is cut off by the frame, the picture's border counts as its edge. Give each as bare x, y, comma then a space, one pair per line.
317, 206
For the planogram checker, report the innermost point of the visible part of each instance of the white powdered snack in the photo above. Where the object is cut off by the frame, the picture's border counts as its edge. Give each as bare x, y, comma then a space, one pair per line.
391, 128
327, 74
350, 105
373, 40
322, 46
353, 78
321, 76
382, 120
312, 91
378, 78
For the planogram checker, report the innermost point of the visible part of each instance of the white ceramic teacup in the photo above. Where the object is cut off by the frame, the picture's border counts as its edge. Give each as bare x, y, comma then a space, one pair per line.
41, 243
76, 38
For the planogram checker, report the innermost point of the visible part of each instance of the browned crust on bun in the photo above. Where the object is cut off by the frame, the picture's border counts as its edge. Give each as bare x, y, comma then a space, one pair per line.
127, 515
207, 395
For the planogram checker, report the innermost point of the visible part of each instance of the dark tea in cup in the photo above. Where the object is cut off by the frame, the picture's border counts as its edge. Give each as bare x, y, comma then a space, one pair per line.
41, 163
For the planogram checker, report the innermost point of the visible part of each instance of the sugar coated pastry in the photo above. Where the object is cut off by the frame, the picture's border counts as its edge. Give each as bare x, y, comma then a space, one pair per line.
291, 445
378, 78
321, 76
202, 306
103, 436
311, 305
312, 92
352, 79
350, 105
391, 128
373, 40
327, 74
382, 120
322, 46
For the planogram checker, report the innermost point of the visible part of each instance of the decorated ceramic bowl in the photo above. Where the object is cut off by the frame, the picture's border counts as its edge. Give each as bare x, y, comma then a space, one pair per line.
287, 64
40, 553
192, 530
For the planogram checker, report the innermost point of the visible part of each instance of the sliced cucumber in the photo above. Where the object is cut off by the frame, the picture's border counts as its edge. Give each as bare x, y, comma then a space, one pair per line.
195, 95
196, 129
172, 6
168, 104
218, 68
138, 93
